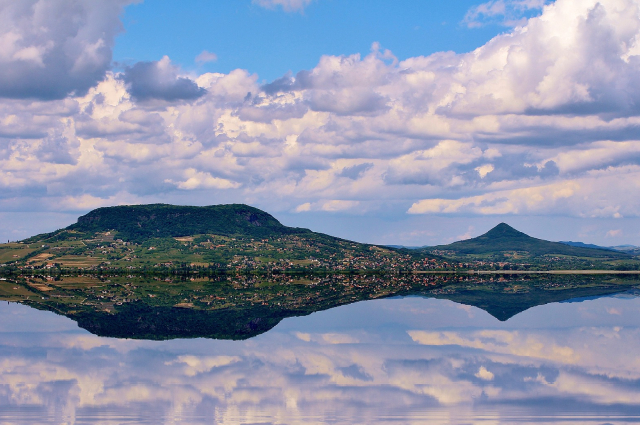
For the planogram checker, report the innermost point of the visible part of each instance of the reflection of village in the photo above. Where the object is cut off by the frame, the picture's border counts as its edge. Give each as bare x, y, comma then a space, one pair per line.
107, 293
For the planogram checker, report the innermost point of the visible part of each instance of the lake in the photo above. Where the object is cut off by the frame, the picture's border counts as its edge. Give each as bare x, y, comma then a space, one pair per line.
396, 360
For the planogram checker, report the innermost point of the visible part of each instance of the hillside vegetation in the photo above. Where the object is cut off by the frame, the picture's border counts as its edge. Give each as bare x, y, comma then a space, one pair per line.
235, 236
138, 223
505, 239
242, 238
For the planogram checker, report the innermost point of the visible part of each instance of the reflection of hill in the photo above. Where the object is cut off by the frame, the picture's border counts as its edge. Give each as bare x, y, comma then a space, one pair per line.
243, 306
145, 322
503, 306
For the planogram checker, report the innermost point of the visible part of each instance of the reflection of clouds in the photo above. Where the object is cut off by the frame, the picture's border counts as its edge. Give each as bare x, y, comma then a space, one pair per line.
596, 389
195, 365
502, 342
339, 339
470, 310
327, 338
304, 376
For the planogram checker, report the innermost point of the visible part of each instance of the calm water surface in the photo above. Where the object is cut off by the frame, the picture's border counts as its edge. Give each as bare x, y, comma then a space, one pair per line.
396, 361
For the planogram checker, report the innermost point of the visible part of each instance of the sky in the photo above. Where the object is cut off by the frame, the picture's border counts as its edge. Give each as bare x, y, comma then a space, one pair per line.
412, 123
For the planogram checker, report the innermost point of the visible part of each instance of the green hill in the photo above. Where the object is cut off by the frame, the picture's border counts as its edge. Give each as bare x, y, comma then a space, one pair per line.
236, 236
136, 223
242, 238
505, 239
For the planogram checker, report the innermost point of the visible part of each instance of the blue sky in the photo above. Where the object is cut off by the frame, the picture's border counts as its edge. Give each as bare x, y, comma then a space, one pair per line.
412, 123
271, 42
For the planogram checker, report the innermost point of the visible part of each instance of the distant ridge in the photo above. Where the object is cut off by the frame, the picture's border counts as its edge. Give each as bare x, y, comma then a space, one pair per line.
504, 238
587, 245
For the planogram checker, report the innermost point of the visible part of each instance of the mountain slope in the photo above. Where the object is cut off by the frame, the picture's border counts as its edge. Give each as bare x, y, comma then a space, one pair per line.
242, 238
236, 236
136, 223
504, 238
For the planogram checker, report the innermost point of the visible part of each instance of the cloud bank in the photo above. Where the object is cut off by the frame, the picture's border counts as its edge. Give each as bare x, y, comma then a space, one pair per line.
541, 120
50, 49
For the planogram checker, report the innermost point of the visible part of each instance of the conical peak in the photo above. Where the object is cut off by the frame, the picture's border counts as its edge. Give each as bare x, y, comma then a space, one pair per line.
503, 230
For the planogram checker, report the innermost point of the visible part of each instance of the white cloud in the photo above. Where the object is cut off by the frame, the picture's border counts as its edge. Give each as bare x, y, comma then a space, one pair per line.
287, 5
304, 207
540, 120
614, 233
338, 205
50, 49
516, 201
504, 12
484, 374
201, 180
483, 170
206, 56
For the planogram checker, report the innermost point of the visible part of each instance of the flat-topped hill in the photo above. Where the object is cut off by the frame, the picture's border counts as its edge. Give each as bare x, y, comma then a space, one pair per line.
504, 238
235, 237
142, 222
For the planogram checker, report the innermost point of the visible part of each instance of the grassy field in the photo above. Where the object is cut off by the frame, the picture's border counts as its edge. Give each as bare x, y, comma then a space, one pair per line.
14, 251
79, 261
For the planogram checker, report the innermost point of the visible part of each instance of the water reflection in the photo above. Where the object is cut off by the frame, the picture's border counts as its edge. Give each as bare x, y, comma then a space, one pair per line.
243, 306
403, 360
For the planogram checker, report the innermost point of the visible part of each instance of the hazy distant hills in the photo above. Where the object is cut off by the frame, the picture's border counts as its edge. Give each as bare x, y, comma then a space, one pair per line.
588, 245
627, 249
504, 238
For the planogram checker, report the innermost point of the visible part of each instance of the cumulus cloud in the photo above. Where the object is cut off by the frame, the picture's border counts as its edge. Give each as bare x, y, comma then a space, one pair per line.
50, 49
201, 180
523, 200
484, 374
160, 80
503, 12
354, 172
540, 120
